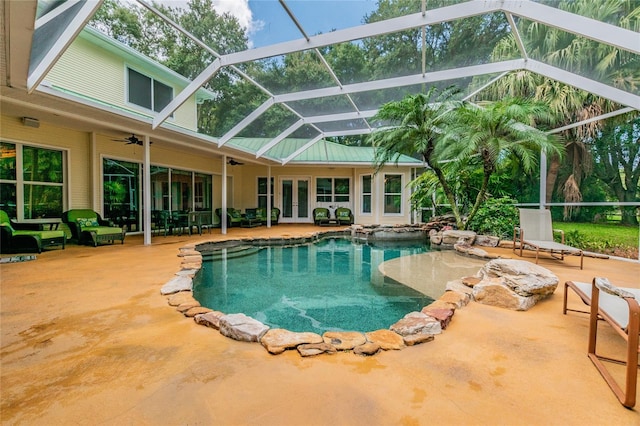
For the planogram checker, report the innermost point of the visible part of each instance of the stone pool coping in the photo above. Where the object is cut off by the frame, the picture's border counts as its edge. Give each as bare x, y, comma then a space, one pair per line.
414, 328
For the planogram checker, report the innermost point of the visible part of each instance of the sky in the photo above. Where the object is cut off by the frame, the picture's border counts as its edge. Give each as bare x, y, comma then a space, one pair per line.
266, 21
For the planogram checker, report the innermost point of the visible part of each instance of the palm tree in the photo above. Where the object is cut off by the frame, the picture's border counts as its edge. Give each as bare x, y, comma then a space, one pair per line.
492, 133
587, 57
415, 126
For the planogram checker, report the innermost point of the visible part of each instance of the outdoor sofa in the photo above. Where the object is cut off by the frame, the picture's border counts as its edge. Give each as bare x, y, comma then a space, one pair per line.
87, 226
16, 238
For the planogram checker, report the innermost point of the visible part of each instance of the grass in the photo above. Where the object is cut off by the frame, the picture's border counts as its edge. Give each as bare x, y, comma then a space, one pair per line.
610, 239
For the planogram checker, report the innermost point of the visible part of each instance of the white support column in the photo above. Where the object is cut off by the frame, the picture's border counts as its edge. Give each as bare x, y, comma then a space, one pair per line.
146, 191
269, 206
543, 179
223, 216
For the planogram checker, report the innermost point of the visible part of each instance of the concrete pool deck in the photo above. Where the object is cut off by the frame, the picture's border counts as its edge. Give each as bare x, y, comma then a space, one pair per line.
86, 338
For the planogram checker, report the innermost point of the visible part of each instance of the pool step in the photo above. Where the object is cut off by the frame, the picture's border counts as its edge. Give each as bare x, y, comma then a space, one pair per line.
230, 253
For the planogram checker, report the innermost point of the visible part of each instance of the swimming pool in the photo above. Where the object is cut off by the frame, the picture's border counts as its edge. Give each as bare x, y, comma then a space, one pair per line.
330, 285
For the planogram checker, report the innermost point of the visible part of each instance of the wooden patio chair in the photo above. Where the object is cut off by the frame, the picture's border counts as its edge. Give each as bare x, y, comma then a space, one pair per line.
618, 307
536, 230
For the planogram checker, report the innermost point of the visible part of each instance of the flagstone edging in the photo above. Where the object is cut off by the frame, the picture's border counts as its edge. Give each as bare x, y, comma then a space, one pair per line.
414, 328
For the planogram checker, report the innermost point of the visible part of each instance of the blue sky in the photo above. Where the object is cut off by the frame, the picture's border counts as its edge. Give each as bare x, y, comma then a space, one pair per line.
272, 25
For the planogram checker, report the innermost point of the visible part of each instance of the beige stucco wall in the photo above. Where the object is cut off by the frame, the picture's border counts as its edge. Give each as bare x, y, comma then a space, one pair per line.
78, 192
246, 193
85, 153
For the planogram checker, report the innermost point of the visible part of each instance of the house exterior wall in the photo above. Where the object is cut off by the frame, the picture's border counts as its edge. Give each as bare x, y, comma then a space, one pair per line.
85, 153
247, 191
75, 71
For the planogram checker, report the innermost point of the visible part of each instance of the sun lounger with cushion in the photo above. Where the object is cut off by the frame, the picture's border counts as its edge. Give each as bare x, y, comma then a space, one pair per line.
536, 230
618, 307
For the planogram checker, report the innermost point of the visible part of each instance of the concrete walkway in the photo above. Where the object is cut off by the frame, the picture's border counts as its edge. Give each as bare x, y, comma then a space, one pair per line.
86, 338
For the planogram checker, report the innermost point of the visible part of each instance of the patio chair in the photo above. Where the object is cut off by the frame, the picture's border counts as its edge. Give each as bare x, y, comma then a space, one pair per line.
234, 217
344, 216
618, 307
13, 239
261, 214
275, 215
536, 230
160, 220
87, 226
321, 216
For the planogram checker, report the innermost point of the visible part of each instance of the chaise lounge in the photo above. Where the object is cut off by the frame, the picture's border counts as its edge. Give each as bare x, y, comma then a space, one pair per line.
536, 230
16, 240
87, 226
618, 307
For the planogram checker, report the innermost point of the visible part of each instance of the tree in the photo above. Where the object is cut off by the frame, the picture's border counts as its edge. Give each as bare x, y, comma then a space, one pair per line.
617, 162
595, 60
416, 127
491, 133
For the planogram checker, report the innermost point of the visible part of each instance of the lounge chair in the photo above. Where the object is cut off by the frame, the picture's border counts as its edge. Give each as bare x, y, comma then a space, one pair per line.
618, 307
87, 226
13, 239
536, 231
321, 216
344, 216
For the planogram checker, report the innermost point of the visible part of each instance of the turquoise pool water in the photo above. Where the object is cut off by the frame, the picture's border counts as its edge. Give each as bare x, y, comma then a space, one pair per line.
330, 285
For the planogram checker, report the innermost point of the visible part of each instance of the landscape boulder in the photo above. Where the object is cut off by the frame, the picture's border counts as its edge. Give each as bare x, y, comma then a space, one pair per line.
513, 284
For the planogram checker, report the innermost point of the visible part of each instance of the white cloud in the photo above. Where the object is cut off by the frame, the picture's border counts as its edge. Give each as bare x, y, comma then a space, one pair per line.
237, 8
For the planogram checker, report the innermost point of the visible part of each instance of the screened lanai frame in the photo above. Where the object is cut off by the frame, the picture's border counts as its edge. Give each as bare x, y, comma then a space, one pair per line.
353, 115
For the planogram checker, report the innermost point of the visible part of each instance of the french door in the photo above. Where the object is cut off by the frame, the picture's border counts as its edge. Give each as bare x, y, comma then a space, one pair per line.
295, 199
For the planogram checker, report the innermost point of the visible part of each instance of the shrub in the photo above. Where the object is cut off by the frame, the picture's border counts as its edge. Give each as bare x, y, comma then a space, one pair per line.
496, 216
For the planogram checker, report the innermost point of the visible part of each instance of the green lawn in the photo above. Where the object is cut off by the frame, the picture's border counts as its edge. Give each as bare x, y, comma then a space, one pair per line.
611, 239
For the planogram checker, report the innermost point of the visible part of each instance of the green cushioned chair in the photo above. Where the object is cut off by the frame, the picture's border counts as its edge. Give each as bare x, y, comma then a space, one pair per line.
87, 226
344, 216
275, 215
261, 214
234, 217
15, 240
321, 216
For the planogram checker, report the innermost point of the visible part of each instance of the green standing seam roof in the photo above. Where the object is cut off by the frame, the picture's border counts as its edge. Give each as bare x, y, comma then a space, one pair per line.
322, 151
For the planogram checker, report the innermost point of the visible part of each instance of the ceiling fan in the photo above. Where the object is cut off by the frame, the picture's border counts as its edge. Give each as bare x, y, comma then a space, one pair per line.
131, 140
233, 162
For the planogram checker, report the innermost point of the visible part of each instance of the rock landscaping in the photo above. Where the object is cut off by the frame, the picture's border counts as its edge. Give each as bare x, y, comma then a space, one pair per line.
505, 283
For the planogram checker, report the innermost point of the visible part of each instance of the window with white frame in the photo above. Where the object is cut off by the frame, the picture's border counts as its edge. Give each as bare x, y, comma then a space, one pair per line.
365, 185
262, 192
146, 92
333, 190
31, 181
392, 194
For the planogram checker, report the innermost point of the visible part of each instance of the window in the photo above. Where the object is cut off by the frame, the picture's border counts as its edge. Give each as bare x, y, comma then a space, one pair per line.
393, 194
36, 177
366, 193
147, 92
121, 192
332, 190
262, 192
189, 190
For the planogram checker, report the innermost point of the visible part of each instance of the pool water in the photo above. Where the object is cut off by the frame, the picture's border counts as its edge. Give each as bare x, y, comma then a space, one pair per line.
330, 285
